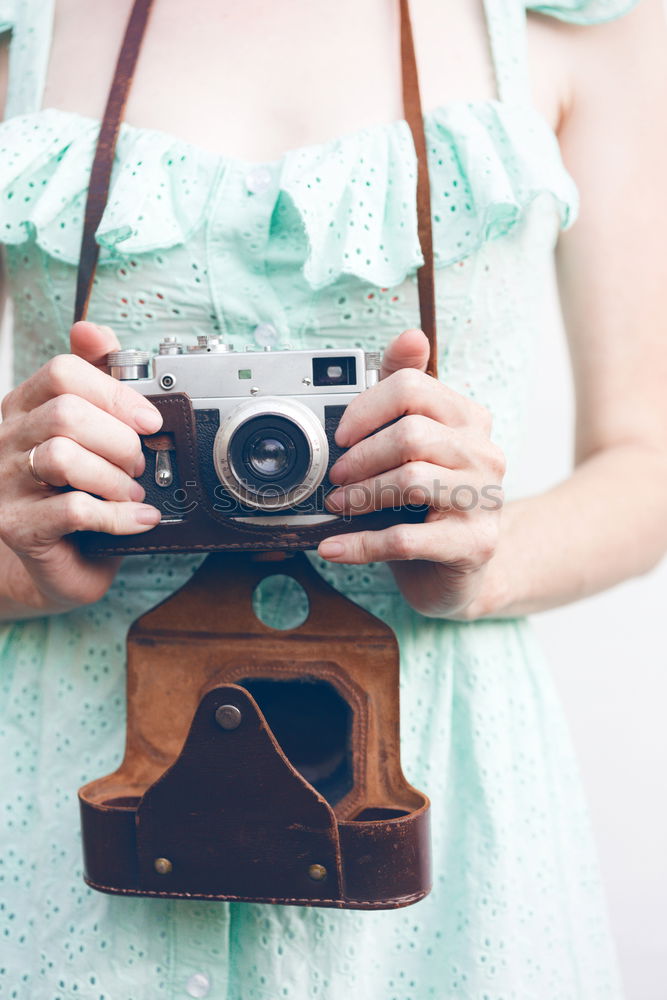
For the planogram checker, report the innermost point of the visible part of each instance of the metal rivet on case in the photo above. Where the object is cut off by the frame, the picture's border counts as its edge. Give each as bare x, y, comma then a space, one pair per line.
163, 866
228, 717
317, 872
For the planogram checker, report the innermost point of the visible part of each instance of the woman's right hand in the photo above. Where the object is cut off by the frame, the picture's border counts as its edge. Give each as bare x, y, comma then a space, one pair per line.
85, 426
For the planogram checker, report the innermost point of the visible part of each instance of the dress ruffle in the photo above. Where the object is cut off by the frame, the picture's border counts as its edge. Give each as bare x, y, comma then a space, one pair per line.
487, 162
355, 196
584, 11
157, 196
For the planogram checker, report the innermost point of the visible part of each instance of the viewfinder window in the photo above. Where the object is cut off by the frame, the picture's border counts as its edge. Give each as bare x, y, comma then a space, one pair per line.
335, 371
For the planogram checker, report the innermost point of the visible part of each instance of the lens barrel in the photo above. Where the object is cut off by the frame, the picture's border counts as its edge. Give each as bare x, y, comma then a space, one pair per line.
271, 453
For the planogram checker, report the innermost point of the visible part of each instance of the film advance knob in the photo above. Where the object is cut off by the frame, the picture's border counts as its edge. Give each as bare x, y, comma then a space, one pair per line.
128, 364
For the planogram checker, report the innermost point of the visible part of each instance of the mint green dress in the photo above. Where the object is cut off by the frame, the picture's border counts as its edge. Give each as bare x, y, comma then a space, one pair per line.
318, 248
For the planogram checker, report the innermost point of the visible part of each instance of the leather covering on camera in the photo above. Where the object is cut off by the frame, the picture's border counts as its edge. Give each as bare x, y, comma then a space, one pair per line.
205, 525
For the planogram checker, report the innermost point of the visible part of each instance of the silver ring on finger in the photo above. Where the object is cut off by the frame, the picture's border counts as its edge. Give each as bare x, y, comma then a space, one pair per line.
33, 471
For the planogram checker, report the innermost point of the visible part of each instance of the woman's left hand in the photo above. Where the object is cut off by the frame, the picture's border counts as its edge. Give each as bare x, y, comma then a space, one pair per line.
436, 450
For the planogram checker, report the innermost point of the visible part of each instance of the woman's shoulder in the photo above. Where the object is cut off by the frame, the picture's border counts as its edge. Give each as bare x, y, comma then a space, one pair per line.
582, 11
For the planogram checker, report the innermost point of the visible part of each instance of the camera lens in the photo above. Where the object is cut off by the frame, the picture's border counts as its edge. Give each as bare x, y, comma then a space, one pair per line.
271, 453
270, 456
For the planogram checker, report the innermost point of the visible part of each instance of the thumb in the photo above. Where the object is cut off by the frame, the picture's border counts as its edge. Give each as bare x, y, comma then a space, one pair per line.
92, 342
409, 350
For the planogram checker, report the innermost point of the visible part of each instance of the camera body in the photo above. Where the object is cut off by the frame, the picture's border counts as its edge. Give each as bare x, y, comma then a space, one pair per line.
247, 442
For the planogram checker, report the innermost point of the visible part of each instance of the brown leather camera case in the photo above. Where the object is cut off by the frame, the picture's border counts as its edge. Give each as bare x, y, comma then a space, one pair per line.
223, 711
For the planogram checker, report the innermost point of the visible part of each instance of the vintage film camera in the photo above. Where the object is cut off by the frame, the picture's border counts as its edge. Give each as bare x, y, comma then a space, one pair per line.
248, 439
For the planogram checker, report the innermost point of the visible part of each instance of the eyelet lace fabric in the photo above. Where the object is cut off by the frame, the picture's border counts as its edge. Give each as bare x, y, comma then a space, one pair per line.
320, 249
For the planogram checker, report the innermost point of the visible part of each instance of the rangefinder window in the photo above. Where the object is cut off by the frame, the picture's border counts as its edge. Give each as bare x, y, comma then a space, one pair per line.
335, 371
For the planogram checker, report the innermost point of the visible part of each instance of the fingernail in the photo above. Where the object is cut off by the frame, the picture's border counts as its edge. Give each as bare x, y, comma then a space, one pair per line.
146, 514
147, 419
341, 436
334, 500
140, 467
337, 471
137, 492
330, 550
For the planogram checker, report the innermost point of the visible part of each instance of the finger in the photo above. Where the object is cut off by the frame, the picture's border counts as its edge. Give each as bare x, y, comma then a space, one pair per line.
414, 438
406, 391
92, 342
436, 542
93, 429
409, 350
68, 374
65, 513
62, 462
413, 483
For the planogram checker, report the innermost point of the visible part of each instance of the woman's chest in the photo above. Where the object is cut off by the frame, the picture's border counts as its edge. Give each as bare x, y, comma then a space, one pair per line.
252, 80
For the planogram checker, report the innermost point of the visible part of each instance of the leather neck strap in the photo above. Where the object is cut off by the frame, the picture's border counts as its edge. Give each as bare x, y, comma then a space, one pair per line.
100, 176
412, 109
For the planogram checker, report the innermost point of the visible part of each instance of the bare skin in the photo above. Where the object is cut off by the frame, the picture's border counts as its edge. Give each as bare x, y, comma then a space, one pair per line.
605, 522
253, 80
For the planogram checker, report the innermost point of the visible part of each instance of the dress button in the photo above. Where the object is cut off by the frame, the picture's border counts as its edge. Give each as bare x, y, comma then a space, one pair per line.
266, 335
258, 180
198, 985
